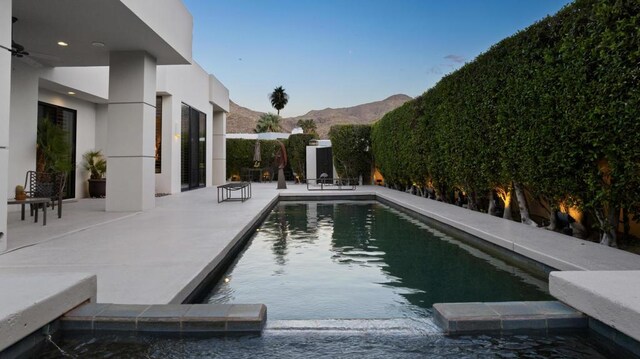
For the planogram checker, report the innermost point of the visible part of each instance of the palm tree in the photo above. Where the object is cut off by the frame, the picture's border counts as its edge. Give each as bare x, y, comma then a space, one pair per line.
309, 126
268, 122
279, 98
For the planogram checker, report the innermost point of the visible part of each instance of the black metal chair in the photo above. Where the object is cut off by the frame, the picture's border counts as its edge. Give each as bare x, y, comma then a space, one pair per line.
46, 185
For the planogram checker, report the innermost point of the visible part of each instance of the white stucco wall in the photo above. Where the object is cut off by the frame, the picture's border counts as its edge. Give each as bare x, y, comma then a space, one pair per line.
181, 84
312, 159
218, 94
168, 18
89, 83
23, 125
101, 128
85, 130
5, 94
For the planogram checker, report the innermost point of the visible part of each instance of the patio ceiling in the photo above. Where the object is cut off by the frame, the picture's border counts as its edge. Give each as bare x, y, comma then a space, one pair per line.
162, 29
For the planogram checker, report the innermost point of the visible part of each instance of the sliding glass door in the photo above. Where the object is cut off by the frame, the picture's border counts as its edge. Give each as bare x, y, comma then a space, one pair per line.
193, 148
64, 118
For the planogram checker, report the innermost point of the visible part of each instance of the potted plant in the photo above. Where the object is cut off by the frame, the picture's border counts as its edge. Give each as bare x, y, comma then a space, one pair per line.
96, 164
20, 194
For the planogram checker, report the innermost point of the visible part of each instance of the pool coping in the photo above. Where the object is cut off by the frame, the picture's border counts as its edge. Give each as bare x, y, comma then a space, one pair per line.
179, 319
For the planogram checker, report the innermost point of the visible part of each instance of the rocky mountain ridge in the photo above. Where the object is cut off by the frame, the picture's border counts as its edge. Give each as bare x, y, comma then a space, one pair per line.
243, 120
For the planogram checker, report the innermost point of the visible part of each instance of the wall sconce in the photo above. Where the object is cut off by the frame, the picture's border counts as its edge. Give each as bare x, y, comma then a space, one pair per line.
176, 131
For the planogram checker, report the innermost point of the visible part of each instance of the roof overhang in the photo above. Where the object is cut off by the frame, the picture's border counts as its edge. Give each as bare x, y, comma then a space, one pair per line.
162, 28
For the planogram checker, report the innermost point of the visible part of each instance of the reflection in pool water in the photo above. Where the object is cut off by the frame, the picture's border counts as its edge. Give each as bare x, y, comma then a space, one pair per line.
321, 260
313, 263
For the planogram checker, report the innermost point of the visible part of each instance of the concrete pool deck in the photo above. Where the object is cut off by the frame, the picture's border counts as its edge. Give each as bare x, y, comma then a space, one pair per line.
160, 256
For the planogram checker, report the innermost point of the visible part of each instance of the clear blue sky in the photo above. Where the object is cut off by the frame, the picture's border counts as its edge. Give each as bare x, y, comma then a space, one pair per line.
340, 53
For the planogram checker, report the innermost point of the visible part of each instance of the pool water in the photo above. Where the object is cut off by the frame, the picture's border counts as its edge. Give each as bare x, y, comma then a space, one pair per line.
351, 280
327, 345
329, 260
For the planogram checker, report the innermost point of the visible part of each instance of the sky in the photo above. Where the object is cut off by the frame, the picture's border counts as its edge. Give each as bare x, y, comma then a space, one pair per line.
341, 53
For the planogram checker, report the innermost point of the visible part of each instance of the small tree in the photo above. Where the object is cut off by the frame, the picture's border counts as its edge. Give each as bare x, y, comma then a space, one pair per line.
308, 126
279, 98
268, 122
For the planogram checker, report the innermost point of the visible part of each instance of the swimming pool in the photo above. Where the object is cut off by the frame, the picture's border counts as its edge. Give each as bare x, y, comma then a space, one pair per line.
355, 280
363, 259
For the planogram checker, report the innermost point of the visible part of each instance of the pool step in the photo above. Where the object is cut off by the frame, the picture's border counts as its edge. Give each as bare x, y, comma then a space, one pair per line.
507, 317
169, 318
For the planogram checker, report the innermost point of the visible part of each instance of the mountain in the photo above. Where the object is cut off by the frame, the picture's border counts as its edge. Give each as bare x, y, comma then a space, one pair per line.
243, 120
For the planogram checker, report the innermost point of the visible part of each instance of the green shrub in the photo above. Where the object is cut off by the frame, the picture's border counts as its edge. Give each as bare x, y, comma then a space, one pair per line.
297, 152
351, 147
240, 154
554, 108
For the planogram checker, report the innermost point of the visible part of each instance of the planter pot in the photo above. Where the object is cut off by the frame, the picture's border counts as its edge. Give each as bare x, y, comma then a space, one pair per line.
97, 188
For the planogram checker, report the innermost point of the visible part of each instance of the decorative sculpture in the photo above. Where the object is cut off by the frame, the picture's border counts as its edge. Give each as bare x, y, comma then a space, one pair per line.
281, 160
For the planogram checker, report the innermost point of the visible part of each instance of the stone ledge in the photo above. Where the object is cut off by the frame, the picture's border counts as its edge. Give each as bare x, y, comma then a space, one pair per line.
174, 318
506, 317
611, 297
31, 301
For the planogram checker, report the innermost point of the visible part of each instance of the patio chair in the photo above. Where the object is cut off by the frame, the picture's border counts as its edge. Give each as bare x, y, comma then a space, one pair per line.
46, 185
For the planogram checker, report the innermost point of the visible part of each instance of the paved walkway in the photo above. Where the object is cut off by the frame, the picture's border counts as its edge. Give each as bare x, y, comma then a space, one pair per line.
139, 258
157, 257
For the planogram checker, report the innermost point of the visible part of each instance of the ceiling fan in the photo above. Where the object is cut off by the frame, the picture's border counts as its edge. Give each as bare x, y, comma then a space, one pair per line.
18, 50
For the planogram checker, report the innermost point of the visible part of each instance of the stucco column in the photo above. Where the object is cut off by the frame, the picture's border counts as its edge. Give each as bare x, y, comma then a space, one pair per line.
5, 100
131, 132
219, 155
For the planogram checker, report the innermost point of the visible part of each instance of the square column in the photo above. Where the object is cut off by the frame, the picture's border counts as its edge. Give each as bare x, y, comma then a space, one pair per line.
219, 155
131, 132
5, 105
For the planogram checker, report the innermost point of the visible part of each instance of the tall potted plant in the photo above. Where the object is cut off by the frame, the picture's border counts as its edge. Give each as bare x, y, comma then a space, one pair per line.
52, 153
96, 164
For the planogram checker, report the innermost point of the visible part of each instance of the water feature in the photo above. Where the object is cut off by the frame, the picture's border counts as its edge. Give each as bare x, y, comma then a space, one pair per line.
330, 344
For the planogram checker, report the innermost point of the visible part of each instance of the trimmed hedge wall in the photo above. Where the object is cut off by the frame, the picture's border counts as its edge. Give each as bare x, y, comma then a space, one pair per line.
351, 147
240, 154
297, 152
554, 108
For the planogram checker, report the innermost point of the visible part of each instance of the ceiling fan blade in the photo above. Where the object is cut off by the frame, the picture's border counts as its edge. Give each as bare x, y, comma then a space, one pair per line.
30, 61
44, 57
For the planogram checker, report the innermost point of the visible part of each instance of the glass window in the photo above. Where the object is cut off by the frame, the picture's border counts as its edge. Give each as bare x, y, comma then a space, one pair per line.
158, 134
193, 148
64, 118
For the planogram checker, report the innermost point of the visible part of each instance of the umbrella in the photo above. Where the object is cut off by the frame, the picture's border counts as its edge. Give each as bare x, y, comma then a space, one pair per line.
256, 155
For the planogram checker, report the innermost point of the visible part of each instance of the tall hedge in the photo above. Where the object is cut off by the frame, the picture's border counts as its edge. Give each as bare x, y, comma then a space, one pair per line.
554, 108
240, 154
351, 147
297, 152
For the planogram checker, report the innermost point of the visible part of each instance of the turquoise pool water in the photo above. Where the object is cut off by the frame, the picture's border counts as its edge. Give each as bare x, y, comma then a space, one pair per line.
328, 260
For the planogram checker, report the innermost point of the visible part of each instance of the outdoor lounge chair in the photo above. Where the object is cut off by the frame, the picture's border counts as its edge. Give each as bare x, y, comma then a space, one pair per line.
46, 185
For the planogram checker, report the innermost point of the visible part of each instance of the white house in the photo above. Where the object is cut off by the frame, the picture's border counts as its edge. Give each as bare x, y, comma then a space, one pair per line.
118, 76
